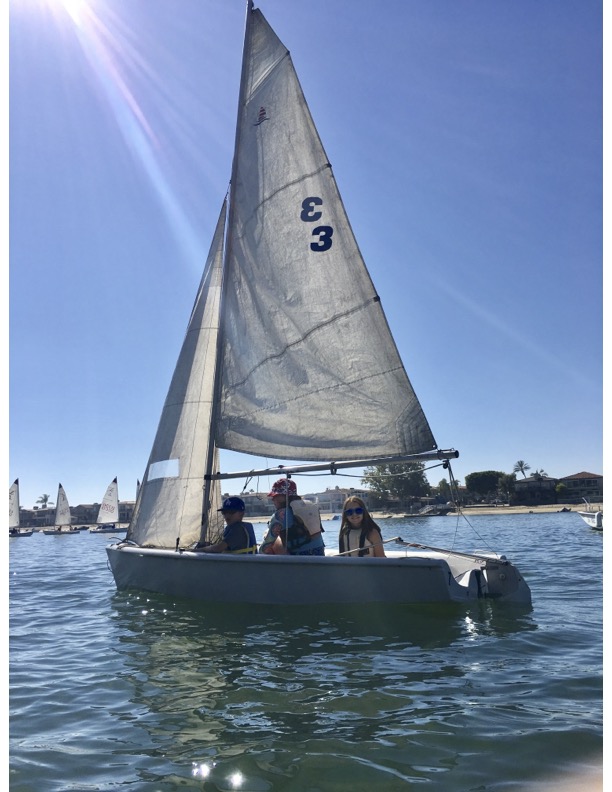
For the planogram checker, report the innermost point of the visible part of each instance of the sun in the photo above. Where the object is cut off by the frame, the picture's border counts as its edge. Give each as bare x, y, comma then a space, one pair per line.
75, 9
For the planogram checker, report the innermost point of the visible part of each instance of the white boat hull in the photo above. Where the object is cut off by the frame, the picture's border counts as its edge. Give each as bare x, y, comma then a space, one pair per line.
60, 532
593, 519
402, 577
107, 529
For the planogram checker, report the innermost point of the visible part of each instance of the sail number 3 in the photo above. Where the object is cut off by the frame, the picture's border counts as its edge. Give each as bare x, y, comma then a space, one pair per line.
323, 233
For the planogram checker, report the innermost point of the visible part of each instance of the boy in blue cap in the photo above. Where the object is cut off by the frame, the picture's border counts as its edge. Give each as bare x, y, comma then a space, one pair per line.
238, 536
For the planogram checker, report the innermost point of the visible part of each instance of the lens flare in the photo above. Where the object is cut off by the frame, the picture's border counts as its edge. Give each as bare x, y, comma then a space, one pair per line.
120, 74
74, 8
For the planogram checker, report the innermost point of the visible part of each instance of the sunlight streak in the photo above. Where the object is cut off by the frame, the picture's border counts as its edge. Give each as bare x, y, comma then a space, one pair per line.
74, 8
491, 319
111, 56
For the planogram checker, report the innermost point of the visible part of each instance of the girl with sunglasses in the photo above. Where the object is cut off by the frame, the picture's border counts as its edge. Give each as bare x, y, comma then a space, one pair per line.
358, 531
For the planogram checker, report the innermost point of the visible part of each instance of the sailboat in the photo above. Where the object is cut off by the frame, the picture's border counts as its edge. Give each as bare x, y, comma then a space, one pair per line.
63, 519
14, 514
108, 515
287, 355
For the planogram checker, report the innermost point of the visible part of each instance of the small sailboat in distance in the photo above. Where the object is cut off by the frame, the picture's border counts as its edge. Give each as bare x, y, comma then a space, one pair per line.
14, 514
108, 515
63, 518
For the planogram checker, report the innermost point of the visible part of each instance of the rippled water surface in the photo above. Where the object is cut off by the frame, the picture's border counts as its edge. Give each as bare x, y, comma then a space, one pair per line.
116, 690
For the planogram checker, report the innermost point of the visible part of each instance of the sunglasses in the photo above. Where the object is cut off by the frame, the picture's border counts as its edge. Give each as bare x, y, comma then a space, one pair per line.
350, 512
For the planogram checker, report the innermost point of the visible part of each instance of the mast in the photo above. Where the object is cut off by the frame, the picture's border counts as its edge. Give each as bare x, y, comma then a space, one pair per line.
226, 254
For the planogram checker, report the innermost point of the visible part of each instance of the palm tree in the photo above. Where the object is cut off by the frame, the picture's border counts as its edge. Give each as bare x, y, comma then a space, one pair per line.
521, 467
541, 473
44, 501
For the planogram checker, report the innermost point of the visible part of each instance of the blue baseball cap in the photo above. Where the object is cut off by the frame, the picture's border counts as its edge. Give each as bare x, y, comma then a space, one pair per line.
232, 504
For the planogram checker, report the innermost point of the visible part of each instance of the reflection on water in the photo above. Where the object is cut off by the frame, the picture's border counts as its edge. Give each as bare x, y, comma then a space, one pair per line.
220, 683
436, 624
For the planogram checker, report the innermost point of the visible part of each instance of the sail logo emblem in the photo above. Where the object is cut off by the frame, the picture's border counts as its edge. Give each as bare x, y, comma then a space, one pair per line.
261, 117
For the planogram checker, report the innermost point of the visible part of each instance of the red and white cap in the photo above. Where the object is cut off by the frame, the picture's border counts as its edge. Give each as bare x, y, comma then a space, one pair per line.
283, 486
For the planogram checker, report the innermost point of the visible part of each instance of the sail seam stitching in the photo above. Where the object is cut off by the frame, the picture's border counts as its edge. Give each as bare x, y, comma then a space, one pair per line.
282, 189
254, 87
323, 390
303, 338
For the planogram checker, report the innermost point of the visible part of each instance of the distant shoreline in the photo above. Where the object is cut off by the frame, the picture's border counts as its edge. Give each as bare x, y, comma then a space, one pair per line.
384, 516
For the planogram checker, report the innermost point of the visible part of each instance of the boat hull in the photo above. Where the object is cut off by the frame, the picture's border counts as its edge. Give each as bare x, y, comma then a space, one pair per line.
593, 519
400, 578
58, 532
107, 529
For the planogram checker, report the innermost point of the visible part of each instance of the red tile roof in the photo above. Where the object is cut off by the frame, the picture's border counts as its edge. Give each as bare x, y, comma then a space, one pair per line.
583, 475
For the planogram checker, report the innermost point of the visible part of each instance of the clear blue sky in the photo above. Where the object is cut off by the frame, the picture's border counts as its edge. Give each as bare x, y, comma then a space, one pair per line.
466, 139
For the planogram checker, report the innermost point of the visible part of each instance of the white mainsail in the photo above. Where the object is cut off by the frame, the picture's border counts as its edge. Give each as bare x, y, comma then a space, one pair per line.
62, 509
14, 519
109, 508
309, 368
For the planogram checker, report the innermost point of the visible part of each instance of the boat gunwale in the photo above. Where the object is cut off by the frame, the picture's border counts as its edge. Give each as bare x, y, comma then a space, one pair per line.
399, 557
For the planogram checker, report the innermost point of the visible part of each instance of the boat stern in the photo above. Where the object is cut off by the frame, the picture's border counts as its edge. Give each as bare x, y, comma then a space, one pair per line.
505, 582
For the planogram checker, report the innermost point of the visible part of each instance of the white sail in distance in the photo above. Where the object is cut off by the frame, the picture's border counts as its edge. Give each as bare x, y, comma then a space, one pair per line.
62, 509
109, 508
14, 519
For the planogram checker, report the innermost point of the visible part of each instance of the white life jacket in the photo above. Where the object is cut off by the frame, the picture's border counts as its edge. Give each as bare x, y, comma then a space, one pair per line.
309, 514
352, 541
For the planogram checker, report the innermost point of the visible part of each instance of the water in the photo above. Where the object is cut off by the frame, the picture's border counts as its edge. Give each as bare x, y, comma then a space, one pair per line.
116, 690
